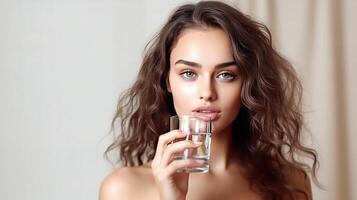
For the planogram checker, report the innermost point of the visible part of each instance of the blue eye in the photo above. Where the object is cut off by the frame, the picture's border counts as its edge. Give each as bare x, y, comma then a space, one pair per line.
226, 76
188, 74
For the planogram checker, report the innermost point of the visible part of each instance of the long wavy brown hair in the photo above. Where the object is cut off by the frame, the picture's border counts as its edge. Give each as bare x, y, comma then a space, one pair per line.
267, 130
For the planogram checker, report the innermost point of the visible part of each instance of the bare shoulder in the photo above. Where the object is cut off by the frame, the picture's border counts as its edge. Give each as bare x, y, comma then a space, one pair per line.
300, 180
124, 183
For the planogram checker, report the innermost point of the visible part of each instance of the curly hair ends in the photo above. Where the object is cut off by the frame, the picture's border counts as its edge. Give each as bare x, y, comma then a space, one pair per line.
267, 131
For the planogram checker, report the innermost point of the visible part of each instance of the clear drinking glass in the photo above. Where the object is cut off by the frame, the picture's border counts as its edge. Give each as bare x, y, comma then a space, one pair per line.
198, 131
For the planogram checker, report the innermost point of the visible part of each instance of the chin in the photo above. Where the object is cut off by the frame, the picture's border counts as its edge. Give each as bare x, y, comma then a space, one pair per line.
218, 128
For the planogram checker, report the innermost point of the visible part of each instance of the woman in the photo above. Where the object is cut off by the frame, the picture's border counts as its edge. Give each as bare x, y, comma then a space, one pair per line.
209, 57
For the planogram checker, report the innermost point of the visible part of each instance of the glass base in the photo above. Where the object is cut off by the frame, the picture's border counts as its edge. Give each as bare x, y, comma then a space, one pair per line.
194, 170
204, 168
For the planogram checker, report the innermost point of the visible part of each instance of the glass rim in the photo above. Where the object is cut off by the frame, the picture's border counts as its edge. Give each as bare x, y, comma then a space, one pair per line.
190, 117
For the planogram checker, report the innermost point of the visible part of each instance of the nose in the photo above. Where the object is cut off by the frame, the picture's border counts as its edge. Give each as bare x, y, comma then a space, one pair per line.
208, 91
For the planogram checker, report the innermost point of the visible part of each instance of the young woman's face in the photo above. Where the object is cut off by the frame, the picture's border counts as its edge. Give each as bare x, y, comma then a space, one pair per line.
204, 79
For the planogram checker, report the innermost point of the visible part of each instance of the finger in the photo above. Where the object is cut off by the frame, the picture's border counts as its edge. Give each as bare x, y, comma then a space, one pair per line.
179, 164
164, 140
164, 174
177, 147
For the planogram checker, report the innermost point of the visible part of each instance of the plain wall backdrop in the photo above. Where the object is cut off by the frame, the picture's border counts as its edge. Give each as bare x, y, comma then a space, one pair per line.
63, 64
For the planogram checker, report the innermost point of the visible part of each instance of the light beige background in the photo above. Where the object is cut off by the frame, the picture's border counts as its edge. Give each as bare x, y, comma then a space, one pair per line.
63, 64
319, 38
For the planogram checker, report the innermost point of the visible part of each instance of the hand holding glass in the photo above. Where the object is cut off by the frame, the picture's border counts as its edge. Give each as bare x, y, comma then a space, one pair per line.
197, 131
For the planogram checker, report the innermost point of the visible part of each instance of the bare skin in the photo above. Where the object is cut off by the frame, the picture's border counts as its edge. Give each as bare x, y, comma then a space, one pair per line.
205, 81
139, 183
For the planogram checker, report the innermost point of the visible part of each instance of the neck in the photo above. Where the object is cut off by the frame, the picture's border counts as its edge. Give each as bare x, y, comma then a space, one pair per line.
221, 152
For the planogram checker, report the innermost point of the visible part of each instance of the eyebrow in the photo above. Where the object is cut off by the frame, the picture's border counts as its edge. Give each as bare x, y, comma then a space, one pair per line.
194, 64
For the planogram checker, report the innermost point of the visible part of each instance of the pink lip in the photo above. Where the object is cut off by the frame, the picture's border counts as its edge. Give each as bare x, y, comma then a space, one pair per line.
207, 113
206, 108
207, 116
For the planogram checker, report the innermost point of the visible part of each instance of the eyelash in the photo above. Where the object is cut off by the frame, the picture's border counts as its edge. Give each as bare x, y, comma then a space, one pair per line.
232, 76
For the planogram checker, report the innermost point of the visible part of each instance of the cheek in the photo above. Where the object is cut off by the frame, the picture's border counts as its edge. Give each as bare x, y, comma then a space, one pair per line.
184, 90
183, 94
230, 105
231, 100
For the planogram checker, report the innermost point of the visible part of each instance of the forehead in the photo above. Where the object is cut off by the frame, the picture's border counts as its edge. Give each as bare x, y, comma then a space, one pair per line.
205, 46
